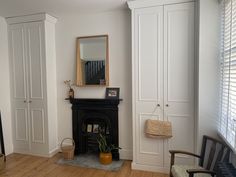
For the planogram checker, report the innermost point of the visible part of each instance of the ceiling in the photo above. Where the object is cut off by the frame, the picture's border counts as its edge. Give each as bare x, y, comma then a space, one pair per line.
55, 7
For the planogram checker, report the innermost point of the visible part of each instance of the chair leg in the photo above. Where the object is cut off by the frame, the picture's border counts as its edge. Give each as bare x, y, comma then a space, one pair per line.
172, 161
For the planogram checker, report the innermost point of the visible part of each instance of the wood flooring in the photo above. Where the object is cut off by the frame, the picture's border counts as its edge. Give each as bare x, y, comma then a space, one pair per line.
18, 165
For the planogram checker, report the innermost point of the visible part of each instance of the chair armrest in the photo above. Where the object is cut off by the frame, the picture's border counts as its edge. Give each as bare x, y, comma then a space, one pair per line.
172, 159
191, 172
173, 152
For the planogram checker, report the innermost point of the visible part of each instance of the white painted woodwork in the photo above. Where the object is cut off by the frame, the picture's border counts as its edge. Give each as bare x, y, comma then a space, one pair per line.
19, 87
51, 84
31, 18
135, 4
18, 56
34, 32
148, 88
21, 126
32, 117
163, 81
179, 77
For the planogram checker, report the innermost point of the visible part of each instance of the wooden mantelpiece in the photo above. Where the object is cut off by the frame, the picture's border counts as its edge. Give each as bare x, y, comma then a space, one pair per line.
94, 111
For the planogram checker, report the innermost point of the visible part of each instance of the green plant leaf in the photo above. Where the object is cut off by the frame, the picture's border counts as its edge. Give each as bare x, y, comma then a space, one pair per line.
103, 146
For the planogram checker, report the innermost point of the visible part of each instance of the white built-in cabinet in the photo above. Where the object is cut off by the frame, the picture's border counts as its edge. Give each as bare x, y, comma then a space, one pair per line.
33, 84
163, 79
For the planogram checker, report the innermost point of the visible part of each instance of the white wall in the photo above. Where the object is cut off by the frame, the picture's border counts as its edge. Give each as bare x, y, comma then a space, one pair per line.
118, 26
209, 48
208, 71
93, 51
5, 105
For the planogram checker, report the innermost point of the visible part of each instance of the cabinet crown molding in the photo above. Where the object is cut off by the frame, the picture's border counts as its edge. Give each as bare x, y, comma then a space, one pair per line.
134, 4
31, 18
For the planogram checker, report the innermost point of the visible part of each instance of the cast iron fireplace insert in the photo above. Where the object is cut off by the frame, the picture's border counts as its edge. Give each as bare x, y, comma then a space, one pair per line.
91, 117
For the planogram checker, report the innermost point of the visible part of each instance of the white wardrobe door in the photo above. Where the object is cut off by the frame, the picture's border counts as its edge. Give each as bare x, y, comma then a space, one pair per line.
19, 87
37, 93
148, 73
179, 77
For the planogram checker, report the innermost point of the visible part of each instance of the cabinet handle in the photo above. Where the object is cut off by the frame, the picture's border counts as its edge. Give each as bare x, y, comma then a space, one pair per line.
158, 105
25, 101
30, 101
167, 105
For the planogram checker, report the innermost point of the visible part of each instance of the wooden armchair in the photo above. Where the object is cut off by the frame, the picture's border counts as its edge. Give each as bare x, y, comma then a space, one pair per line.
212, 151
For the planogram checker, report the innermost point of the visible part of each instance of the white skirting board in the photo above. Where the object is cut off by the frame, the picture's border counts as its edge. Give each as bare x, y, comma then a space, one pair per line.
54, 152
126, 154
51, 154
152, 168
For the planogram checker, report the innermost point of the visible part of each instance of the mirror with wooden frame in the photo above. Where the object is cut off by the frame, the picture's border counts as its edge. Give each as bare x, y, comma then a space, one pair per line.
92, 61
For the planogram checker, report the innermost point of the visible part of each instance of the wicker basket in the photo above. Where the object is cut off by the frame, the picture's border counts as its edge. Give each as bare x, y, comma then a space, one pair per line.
158, 129
68, 150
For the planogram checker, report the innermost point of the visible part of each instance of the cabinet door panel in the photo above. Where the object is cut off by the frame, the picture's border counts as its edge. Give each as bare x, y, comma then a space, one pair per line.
34, 33
149, 53
147, 57
35, 36
179, 76
147, 146
20, 128
148, 67
179, 54
150, 150
21, 124
17, 44
38, 127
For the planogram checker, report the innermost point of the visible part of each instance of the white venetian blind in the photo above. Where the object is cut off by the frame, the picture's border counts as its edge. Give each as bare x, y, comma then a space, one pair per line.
227, 126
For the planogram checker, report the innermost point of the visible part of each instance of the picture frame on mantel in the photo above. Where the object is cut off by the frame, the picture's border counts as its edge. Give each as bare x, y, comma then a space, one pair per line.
112, 93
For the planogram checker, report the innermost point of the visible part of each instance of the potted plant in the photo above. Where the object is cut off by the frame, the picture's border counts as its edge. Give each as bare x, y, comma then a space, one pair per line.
105, 149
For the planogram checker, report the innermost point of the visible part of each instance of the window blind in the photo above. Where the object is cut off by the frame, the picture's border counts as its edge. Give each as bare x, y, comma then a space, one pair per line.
227, 126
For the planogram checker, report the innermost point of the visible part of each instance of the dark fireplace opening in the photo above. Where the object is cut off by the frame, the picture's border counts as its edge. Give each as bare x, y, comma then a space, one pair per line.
91, 117
91, 128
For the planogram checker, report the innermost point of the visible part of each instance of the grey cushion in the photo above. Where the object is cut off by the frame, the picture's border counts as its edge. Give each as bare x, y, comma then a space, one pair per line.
180, 171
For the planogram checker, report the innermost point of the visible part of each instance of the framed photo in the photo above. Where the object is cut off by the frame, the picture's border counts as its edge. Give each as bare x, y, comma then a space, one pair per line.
89, 128
95, 128
112, 93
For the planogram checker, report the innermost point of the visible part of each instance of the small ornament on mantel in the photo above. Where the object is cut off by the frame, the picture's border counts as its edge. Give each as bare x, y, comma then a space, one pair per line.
71, 91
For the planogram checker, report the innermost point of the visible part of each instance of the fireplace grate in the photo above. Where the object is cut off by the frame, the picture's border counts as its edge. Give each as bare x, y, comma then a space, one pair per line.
92, 145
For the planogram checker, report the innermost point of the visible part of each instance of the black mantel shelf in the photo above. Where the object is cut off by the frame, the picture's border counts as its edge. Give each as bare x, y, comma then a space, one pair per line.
75, 101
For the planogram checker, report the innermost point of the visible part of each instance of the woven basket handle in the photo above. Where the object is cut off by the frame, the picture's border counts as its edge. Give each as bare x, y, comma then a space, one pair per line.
73, 142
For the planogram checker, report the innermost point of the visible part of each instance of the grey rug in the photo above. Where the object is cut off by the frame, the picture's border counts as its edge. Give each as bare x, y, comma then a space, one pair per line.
91, 161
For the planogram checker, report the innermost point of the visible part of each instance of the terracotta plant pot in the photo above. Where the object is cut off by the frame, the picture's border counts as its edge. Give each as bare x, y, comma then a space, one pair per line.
105, 158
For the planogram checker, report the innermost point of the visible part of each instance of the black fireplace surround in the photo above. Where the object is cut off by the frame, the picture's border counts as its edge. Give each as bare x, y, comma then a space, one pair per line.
91, 117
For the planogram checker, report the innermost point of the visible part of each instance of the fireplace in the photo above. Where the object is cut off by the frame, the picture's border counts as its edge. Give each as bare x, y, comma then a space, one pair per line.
91, 117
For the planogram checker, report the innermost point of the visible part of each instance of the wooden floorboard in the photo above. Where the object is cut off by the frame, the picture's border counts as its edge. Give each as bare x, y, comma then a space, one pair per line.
18, 165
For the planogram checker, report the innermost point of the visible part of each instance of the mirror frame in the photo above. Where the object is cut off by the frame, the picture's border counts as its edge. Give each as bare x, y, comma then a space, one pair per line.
79, 81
